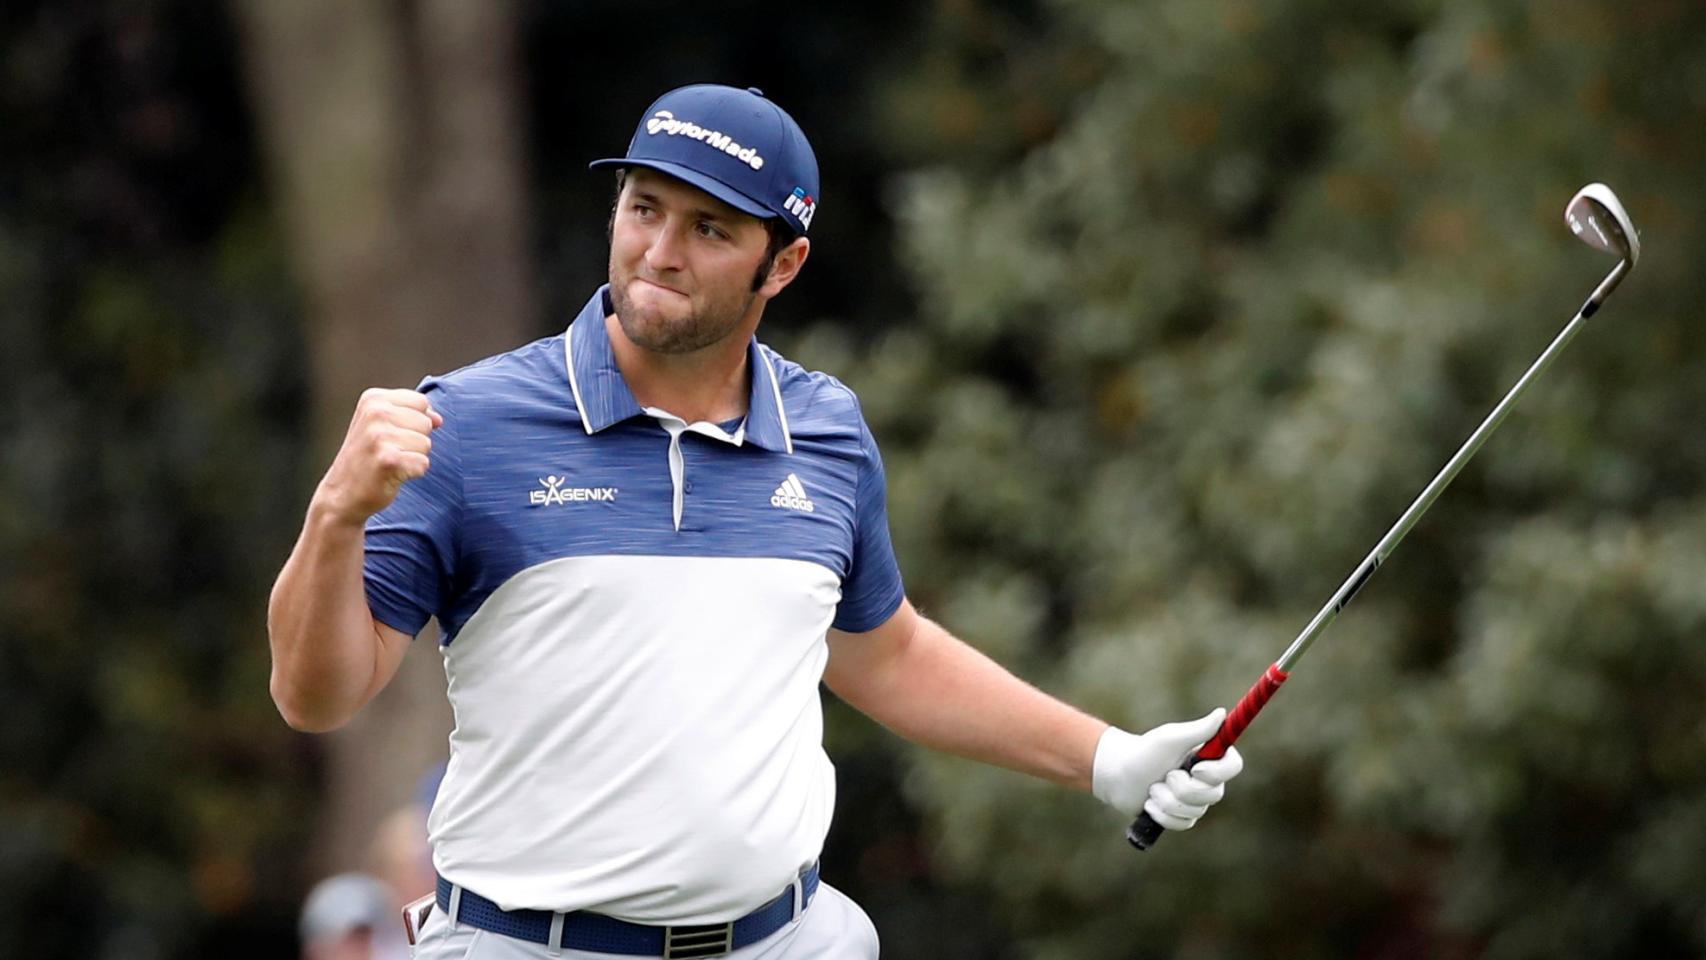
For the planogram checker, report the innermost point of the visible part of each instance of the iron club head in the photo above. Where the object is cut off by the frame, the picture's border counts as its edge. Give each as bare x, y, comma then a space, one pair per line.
1598, 218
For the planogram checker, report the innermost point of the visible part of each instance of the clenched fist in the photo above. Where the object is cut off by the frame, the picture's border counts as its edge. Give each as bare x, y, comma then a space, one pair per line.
389, 443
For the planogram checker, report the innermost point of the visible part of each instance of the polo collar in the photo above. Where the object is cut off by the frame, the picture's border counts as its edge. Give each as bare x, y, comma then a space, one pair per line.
602, 396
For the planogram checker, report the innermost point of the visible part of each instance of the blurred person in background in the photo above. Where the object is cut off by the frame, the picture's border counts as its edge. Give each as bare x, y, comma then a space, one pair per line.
401, 856
352, 916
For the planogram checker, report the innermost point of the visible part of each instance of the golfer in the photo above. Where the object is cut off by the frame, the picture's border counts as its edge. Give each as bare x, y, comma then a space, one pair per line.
646, 540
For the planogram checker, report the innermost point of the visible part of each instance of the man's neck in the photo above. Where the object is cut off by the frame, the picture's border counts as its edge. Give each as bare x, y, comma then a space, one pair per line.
710, 384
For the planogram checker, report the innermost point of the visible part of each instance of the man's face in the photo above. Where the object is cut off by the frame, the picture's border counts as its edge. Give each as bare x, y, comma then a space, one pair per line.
681, 264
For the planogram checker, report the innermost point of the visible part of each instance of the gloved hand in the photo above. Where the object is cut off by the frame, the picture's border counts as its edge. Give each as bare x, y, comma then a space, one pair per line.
1141, 771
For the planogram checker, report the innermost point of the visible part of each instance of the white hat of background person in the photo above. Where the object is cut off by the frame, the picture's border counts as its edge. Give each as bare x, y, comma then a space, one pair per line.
733, 144
345, 903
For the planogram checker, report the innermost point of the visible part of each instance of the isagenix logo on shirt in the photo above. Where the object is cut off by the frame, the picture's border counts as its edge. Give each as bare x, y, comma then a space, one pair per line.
555, 492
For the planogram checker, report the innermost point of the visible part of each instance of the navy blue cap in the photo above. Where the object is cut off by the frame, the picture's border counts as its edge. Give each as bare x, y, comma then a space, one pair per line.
733, 144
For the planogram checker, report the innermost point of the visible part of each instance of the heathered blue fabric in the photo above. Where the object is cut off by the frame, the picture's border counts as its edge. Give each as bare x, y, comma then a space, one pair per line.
511, 422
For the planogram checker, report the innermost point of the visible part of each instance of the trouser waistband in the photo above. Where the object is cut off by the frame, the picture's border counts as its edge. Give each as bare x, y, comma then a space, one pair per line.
583, 930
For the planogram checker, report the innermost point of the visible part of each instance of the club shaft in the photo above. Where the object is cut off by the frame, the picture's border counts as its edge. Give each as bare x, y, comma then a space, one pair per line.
1144, 831
1388, 543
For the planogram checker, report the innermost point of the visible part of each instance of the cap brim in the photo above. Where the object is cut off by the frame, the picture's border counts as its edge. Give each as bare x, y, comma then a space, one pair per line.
710, 185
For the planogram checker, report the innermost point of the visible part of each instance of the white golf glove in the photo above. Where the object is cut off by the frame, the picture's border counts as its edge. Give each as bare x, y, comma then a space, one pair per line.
1141, 771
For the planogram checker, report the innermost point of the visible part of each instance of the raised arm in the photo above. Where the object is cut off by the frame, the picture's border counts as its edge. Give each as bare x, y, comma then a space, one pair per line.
329, 655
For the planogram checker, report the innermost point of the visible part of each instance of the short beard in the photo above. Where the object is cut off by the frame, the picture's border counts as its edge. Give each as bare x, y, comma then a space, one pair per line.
688, 336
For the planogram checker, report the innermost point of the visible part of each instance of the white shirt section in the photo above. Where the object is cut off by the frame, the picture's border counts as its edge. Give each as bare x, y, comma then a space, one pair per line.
632, 739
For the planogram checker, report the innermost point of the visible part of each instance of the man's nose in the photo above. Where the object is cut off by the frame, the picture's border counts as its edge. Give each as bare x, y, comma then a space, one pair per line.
665, 250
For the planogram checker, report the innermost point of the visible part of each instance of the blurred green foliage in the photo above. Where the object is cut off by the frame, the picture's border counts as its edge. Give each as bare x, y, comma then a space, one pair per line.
1178, 365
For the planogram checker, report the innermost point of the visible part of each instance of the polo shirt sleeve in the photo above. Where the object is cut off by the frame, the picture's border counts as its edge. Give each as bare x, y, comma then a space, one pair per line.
411, 544
872, 590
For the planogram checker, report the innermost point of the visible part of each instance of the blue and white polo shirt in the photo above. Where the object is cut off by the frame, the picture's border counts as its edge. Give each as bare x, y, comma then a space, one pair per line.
634, 611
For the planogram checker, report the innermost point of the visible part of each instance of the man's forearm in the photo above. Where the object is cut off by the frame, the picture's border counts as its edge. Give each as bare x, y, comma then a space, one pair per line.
939, 692
325, 650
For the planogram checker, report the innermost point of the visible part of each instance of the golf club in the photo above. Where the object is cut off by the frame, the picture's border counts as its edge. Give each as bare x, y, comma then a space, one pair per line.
1596, 216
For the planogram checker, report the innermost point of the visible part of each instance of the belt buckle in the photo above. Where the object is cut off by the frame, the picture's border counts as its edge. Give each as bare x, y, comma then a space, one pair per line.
708, 940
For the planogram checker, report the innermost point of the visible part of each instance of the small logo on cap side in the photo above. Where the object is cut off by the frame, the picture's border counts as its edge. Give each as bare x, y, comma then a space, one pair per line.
665, 122
801, 205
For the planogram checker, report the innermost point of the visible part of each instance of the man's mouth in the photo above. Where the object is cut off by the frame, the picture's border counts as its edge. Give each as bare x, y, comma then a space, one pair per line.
660, 286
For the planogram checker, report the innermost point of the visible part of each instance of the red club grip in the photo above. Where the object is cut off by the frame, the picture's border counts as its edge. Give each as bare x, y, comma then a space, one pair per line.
1243, 713
1144, 831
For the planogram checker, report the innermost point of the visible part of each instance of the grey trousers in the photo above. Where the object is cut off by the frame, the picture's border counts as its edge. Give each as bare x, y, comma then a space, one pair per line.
832, 928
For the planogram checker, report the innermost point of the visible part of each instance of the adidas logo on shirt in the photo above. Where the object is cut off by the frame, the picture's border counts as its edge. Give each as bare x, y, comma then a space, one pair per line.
791, 495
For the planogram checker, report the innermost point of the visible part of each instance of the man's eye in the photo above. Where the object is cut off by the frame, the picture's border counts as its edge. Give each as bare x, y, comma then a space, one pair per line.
709, 232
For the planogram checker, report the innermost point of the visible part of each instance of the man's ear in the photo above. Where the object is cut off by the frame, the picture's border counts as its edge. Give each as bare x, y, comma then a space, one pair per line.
785, 267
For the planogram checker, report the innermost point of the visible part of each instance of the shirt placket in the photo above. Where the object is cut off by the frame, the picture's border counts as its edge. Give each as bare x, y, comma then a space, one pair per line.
675, 427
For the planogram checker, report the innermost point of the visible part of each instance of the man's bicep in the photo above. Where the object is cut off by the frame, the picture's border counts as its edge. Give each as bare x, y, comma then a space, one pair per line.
392, 646
857, 661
